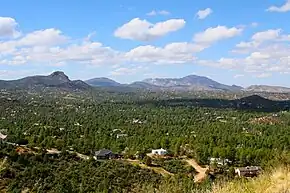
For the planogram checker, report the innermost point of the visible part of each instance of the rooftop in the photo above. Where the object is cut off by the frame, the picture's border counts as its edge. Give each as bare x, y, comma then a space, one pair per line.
103, 152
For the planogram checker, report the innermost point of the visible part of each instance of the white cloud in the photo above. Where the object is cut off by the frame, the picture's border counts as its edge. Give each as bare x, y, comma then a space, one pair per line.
264, 75
91, 53
45, 37
258, 55
254, 24
14, 74
283, 8
202, 14
8, 28
127, 71
266, 53
17, 60
7, 47
174, 53
267, 35
247, 45
142, 30
51, 47
89, 36
218, 33
161, 12
261, 38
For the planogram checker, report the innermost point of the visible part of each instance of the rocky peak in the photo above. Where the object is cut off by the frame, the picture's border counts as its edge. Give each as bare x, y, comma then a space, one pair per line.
61, 76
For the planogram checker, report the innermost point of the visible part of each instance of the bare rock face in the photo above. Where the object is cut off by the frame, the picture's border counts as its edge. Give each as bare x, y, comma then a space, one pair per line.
59, 76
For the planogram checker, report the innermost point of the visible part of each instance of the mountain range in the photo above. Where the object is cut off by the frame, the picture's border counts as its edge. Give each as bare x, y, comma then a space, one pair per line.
59, 80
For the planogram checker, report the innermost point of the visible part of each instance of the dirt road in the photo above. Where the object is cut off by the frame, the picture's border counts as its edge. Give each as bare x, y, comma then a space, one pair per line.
202, 172
156, 169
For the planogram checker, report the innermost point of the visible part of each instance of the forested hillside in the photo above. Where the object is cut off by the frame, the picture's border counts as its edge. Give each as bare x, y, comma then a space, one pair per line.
132, 128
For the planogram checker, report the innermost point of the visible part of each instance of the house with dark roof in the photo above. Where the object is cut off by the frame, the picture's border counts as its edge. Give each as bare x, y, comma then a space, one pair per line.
249, 171
105, 154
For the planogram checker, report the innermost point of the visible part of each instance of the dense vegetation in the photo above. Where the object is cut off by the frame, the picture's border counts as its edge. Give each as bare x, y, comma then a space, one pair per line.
199, 132
175, 166
130, 127
66, 173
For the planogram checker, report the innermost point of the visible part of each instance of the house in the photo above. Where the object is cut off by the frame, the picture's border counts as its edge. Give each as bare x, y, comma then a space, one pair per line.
159, 151
2, 136
137, 121
105, 154
122, 135
249, 171
219, 161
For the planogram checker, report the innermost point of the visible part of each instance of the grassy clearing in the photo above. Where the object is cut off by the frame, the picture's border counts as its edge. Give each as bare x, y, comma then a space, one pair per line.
3, 165
277, 181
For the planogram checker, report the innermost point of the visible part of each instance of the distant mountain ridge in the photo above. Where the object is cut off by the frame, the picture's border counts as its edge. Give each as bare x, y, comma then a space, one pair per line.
266, 88
188, 83
191, 82
58, 80
102, 82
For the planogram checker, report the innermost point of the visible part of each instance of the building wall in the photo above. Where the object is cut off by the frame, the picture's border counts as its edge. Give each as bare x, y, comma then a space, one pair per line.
159, 152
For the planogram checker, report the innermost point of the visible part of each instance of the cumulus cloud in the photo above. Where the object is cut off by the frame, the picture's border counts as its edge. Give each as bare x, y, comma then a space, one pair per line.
271, 34
264, 75
51, 47
161, 12
247, 45
142, 30
218, 33
174, 53
202, 14
8, 28
47, 37
283, 8
261, 38
14, 74
127, 71
266, 53
91, 53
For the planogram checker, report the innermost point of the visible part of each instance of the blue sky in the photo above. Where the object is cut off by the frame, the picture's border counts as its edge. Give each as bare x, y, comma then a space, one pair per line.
234, 42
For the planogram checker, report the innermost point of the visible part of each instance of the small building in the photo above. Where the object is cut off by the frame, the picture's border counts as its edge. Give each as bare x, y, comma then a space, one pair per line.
2, 136
249, 171
159, 151
121, 135
105, 154
219, 161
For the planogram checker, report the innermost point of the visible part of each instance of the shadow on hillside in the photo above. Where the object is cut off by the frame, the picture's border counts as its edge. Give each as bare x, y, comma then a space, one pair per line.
251, 103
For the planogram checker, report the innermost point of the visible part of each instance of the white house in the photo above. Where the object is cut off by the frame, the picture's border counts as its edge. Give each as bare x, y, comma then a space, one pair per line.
219, 161
159, 151
122, 135
249, 171
2, 136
